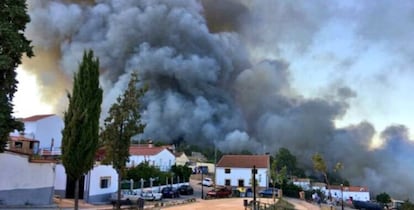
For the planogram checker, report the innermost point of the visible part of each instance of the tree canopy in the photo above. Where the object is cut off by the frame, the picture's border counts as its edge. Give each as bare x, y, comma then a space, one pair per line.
284, 158
184, 172
319, 164
81, 131
13, 44
123, 122
383, 198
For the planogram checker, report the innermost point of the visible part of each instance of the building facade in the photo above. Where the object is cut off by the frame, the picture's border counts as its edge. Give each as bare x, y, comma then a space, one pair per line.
96, 187
237, 170
47, 129
160, 157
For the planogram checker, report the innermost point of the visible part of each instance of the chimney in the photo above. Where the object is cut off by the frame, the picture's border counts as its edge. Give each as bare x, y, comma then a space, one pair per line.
150, 145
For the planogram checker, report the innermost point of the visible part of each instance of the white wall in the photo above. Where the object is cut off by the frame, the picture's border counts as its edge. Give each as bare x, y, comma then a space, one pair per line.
25, 183
303, 185
18, 173
60, 177
48, 128
241, 173
210, 166
93, 192
360, 196
164, 160
95, 176
44, 130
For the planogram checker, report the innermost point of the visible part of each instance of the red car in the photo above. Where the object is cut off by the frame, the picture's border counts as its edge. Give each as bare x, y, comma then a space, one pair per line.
219, 193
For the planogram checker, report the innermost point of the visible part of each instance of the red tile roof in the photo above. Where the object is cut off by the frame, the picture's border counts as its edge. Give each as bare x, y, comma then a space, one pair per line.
144, 151
36, 117
244, 161
21, 138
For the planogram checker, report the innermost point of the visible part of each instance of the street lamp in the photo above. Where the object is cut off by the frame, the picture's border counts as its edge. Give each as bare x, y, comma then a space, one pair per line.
342, 195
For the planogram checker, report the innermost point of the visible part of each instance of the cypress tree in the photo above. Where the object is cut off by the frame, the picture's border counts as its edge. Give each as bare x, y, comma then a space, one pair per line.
12, 45
81, 132
123, 122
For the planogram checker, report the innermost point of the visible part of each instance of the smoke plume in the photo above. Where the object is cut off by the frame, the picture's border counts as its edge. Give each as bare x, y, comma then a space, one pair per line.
219, 72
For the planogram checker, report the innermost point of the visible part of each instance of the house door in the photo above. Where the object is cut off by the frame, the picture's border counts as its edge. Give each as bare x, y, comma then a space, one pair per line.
241, 183
70, 187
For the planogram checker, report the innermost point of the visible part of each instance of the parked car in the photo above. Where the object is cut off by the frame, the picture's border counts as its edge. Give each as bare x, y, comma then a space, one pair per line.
207, 182
151, 195
268, 193
170, 192
128, 197
219, 193
366, 205
186, 190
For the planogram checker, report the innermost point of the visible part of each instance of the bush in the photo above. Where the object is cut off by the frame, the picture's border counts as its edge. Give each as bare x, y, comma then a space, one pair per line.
291, 190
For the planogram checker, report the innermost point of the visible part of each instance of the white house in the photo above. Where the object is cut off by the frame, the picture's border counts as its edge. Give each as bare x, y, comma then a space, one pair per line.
356, 192
47, 129
319, 186
96, 187
25, 182
304, 183
160, 157
236, 170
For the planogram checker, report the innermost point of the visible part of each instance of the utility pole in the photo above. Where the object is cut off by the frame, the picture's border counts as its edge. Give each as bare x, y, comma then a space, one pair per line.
254, 172
215, 163
342, 195
202, 185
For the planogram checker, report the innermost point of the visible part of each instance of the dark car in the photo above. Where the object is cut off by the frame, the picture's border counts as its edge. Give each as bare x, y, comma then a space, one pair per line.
186, 190
268, 193
170, 192
219, 193
366, 205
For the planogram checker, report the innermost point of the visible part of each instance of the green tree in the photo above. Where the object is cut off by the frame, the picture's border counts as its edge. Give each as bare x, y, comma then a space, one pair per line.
123, 122
13, 44
320, 166
146, 172
81, 132
184, 172
284, 158
383, 198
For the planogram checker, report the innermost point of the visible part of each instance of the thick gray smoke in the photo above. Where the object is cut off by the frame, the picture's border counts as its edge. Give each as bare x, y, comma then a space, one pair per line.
217, 76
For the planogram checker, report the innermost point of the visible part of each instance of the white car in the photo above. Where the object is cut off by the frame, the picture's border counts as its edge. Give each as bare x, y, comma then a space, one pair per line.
151, 195
207, 182
127, 196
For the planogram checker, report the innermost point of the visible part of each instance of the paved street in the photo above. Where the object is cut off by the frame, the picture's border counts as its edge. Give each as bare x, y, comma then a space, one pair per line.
200, 204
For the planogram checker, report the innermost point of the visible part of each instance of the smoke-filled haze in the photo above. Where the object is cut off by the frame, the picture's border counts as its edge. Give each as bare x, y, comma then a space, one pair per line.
256, 75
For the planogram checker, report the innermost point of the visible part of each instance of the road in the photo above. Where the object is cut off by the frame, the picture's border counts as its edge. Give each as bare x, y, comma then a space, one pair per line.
202, 204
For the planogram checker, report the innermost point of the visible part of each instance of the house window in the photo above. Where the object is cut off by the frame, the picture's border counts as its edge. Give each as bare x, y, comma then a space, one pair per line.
241, 183
105, 182
18, 144
227, 182
227, 170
